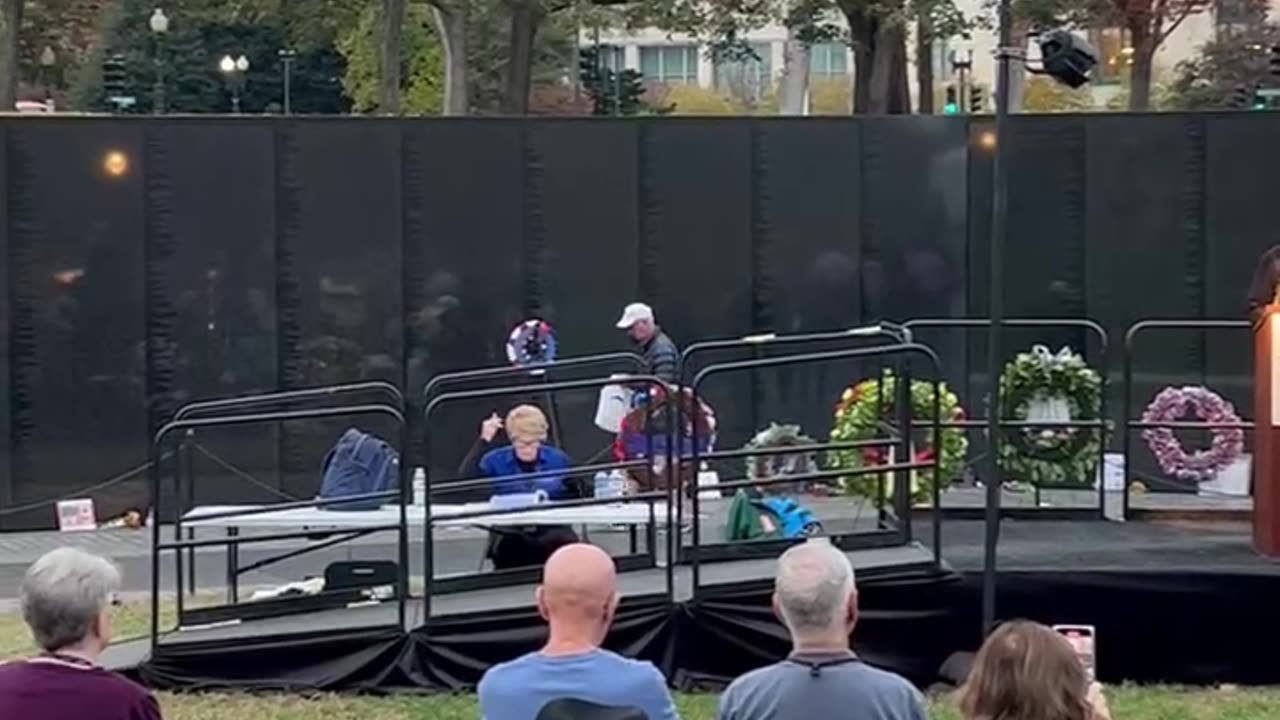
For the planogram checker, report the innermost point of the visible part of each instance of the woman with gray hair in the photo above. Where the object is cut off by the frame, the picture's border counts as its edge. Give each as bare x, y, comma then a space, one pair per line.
66, 599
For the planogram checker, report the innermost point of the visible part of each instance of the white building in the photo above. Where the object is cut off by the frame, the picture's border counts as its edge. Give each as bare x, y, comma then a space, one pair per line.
675, 60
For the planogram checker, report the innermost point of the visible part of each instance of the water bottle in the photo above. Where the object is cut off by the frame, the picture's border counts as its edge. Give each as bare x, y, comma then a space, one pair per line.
419, 486
603, 485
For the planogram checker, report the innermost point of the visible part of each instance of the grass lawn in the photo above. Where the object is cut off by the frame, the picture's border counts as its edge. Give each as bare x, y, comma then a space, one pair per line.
1127, 703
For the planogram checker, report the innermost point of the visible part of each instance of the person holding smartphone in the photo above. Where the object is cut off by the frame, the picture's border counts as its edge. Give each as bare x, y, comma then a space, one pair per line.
1026, 671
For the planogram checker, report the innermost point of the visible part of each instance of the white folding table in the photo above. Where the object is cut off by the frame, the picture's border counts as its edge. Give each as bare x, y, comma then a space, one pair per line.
351, 524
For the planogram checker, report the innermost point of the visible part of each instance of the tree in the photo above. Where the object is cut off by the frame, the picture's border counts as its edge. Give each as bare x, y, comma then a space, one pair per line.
191, 50
877, 31
451, 19
391, 45
1148, 24
1224, 65
11, 16
421, 90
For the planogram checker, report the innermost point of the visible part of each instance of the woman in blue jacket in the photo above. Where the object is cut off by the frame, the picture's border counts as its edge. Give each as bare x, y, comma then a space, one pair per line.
528, 454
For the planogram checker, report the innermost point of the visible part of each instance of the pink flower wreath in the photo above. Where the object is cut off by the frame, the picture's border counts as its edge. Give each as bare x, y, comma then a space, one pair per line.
1171, 405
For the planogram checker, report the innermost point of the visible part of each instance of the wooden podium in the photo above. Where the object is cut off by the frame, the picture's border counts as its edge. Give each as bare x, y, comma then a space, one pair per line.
1266, 433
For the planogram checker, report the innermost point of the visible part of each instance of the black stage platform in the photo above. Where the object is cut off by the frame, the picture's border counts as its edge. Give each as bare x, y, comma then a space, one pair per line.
1172, 603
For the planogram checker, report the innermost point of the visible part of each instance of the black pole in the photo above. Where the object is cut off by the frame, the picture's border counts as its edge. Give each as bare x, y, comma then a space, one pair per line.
158, 101
999, 203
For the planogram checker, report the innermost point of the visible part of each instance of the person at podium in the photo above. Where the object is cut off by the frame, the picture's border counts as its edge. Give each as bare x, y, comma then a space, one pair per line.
528, 454
1262, 290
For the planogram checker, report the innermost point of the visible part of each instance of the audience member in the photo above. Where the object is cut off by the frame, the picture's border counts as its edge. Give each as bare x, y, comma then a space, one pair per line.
1026, 671
815, 597
577, 598
66, 599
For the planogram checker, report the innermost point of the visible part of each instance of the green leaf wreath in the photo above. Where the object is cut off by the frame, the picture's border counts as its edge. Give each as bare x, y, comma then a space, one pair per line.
1050, 456
858, 415
772, 466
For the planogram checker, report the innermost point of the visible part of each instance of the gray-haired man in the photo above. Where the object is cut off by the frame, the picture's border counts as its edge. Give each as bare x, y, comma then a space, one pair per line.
815, 598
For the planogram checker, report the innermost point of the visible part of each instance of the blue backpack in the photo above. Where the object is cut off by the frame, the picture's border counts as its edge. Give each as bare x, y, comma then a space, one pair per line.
358, 464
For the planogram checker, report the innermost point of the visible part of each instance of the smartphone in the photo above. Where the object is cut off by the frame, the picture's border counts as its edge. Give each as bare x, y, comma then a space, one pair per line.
1083, 639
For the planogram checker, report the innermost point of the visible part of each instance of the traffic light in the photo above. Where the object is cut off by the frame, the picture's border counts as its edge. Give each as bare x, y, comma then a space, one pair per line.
1273, 62
1240, 97
113, 75
950, 107
1259, 100
977, 99
114, 80
611, 92
629, 92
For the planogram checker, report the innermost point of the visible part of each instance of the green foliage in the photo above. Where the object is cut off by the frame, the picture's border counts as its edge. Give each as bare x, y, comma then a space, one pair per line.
1043, 95
693, 100
422, 72
1208, 80
1161, 97
830, 96
724, 26
555, 51
191, 50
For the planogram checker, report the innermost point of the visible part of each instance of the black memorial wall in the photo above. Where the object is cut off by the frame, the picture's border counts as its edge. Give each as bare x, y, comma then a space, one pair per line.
233, 255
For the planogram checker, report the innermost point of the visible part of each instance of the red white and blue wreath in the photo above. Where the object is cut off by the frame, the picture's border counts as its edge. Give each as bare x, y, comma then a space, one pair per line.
532, 342
1172, 405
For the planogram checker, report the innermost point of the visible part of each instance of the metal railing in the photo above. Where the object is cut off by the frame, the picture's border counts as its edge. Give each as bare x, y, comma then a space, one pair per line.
540, 370
1126, 400
1100, 423
233, 542
443, 399
185, 468
902, 482
883, 329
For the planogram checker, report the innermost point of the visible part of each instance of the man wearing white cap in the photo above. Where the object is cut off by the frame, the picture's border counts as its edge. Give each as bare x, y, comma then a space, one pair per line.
659, 352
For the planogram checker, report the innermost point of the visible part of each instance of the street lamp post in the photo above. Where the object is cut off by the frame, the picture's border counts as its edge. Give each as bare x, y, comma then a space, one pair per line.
234, 69
287, 58
47, 61
159, 28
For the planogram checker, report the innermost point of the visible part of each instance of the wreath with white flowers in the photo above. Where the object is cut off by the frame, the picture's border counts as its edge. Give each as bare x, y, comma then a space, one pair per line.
778, 465
1171, 405
867, 404
1051, 455
532, 342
